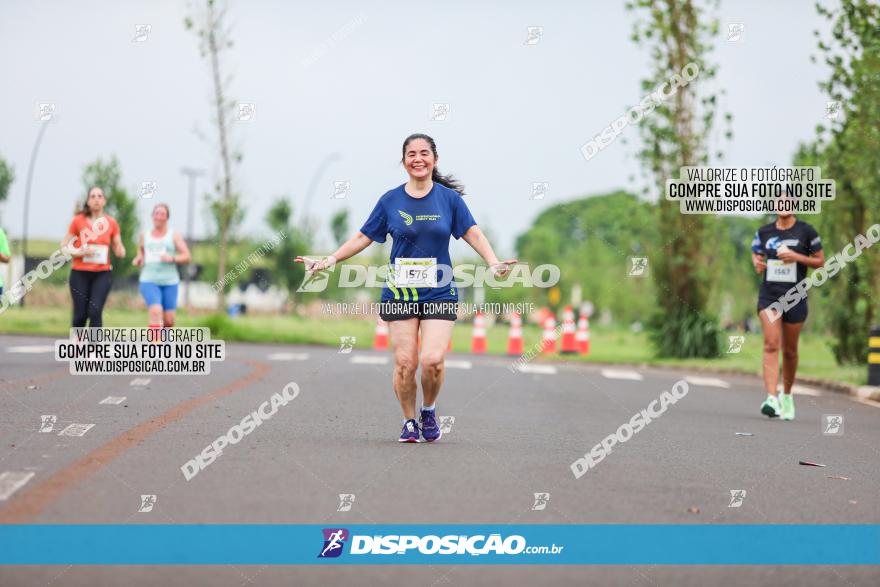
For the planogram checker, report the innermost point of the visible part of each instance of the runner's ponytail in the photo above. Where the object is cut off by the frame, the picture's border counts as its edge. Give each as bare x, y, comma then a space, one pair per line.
447, 180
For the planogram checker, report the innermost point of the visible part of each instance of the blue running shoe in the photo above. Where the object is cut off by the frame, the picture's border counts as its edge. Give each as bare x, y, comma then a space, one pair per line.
410, 432
430, 429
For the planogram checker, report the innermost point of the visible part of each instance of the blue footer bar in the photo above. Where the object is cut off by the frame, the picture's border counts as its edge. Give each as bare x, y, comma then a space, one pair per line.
592, 544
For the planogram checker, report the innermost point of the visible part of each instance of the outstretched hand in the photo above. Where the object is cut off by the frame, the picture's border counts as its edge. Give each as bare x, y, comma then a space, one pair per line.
502, 268
313, 264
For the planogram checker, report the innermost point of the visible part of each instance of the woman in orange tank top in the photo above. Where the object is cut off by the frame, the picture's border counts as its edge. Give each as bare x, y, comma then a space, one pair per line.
89, 239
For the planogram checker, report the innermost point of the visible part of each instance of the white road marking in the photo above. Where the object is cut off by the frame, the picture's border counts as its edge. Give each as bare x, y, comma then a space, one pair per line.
140, 382
35, 348
288, 357
112, 399
12, 481
76, 429
458, 364
617, 374
801, 390
540, 369
369, 360
707, 381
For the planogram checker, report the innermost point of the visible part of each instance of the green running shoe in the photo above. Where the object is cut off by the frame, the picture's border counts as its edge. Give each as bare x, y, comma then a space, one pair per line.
787, 406
770, 407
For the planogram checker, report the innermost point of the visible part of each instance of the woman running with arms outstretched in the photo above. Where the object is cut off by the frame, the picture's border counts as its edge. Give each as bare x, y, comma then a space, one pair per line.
420, 216
782, 251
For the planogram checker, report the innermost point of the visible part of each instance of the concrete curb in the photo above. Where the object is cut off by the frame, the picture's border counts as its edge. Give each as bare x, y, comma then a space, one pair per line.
869, 392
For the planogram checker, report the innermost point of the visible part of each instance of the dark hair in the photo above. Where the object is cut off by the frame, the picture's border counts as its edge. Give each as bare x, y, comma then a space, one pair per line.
445, 180
85, 210
163, 205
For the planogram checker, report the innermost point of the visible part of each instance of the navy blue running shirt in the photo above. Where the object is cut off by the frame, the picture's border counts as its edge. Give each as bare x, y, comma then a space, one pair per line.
801, 238
420, 229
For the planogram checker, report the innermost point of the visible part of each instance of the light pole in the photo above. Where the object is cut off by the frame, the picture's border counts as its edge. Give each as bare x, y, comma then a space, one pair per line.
191, 174
27, 197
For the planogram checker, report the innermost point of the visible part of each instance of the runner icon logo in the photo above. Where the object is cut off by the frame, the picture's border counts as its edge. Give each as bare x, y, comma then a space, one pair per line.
735, 31
315, 282
149, 189
334, 540
341, 189
832, 424
147, 503
639, 265
541, 501
45, 111
534, 35
735, 343
346, 344
439, 111
446, 423
539, 190
737, 496
407, 219
832, 110
47, 423
141, 32
346, 500
247, 111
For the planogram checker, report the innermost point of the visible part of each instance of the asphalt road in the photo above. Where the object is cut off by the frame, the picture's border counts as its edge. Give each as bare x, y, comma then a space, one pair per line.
513, 435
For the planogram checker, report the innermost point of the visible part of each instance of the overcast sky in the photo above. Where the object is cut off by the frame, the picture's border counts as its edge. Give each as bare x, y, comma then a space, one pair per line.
338, 85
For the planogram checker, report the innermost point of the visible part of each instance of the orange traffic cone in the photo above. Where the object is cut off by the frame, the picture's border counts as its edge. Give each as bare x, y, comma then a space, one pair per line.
478, 339
515, 336
380, 341
569, 346
583, 335
548, 343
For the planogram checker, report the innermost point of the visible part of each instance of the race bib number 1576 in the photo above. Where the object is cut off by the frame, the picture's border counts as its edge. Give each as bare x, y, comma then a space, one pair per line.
415, 272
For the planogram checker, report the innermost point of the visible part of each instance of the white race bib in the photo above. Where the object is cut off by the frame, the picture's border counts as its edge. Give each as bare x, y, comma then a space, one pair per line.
98, 254
780, 271
154, 256
415, 272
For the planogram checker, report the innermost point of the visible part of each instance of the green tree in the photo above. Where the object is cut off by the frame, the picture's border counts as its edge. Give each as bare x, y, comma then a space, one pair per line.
209, 24
339, 226
848, 150
678, 33
591, 241
280, 219
7, 176
108, 176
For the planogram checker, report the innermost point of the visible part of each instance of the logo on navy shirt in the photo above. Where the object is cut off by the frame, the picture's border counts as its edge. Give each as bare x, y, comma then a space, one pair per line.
407, 219
334, 541
774, 243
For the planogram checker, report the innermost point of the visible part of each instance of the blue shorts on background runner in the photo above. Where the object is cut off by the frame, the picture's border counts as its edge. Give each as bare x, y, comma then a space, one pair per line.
159, 295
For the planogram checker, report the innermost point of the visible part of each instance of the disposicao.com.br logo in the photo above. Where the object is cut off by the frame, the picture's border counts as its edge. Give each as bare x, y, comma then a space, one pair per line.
334, 540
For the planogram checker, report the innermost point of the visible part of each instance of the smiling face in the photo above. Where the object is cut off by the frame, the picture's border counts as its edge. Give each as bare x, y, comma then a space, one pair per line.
160, 216
96, 201
419, 159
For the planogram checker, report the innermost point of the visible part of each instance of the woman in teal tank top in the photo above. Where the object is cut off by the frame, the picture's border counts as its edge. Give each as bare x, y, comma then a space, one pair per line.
160, 250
